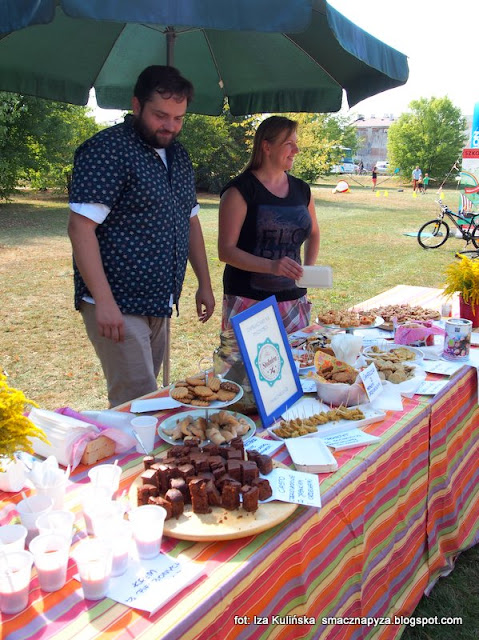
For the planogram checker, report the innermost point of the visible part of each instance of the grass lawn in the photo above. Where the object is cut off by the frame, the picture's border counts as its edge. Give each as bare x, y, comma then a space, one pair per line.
45, 351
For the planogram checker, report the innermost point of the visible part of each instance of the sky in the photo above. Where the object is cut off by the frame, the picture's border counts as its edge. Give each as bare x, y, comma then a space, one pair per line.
438, 36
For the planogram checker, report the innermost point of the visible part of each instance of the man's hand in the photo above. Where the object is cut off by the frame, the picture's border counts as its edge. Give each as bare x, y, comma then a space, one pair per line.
110, 321
205, 303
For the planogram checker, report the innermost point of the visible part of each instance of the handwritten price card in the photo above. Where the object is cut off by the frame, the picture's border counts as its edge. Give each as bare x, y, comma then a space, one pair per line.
295, 486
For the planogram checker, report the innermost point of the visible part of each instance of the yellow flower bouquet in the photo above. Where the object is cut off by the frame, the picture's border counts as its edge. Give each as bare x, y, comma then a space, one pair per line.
16, 429
463, 276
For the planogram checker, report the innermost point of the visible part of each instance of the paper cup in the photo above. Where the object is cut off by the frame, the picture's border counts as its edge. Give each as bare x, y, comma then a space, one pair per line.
12, 537
147, 522
50, 555
106, 476
30, 509
145, 428
60, 522
94, 562
15, 574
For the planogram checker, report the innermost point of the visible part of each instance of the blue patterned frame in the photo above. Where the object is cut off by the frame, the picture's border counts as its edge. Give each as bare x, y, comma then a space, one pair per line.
297, 392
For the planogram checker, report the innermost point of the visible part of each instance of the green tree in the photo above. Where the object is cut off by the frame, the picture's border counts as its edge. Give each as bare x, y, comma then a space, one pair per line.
320, 138
431, 135
218, 146
38, 139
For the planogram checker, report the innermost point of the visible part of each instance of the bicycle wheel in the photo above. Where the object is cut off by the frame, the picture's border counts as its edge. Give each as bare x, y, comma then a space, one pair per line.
433, 234
475, 236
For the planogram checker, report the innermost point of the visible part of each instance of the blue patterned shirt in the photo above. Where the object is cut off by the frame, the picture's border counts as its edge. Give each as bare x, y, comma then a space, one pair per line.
144, 239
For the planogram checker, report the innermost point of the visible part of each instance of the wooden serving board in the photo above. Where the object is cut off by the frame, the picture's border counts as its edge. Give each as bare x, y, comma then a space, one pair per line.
222, 524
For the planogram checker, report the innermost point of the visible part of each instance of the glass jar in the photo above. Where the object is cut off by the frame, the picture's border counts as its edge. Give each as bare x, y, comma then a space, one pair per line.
228, 363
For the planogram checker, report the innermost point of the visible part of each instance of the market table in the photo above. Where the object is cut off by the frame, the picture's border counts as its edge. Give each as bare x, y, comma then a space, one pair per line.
393, 518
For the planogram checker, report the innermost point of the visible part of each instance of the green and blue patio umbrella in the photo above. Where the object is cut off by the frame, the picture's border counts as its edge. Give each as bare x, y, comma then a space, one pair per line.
261, 56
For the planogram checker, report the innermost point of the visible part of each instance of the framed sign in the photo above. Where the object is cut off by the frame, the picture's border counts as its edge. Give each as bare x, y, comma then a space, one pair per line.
268, 359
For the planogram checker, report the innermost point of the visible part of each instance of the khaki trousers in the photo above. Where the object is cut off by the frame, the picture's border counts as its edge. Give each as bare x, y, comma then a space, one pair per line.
130, 367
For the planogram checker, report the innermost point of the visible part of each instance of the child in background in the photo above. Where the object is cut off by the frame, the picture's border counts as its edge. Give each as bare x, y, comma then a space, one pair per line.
374, 177
426, 180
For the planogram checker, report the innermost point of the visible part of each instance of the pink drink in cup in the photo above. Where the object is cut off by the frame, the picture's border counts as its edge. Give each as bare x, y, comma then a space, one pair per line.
94, 562
147, 522
50, 554
117, 534
15, 574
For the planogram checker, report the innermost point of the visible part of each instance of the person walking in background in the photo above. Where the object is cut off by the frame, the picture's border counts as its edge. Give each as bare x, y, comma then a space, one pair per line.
133, 225
266, 216
416, 174
374, 176
420, 184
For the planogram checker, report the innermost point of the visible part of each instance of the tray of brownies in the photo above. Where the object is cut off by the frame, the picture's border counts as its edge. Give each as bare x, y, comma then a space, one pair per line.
211, 492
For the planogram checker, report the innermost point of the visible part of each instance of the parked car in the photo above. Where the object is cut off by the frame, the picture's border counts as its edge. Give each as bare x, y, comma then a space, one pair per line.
382, 167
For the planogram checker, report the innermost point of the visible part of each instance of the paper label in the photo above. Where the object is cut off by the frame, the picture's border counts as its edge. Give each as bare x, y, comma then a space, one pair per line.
349, 439
265, 447
372, 381
431, 387
294, 486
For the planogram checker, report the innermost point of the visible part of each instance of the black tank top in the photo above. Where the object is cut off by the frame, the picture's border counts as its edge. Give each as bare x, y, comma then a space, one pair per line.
273, 227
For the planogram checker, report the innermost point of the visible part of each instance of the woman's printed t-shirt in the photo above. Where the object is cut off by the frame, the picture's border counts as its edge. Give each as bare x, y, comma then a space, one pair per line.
144, 239
273, 228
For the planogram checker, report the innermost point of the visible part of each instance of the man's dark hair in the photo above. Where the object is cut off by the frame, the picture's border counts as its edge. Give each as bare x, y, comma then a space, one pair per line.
167, 81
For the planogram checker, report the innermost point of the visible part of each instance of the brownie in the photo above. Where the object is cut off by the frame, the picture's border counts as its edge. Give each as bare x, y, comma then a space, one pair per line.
234, 469
238, 443
211, 450
187, 471
150, 477
148, 461
234, 454
176, 451
163, 475
230, 495
175, 498
264, 487
250, 497
250, 471
180, 484
265, 464
145, 492
214, 496
219, 472
253, 455
199, 496
161, 502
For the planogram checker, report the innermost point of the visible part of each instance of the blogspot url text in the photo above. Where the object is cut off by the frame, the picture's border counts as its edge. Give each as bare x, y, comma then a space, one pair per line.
364, 621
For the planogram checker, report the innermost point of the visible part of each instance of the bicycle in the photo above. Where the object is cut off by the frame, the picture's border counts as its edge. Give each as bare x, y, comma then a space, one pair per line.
434, 234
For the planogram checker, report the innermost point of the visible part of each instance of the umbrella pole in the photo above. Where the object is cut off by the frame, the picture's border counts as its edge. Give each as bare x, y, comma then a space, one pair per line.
170, 45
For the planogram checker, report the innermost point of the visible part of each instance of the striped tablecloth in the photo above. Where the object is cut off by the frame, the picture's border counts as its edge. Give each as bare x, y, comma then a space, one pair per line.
393, 518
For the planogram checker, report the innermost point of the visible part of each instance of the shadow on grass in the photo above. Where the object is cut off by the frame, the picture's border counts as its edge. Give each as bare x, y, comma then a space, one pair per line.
23, 223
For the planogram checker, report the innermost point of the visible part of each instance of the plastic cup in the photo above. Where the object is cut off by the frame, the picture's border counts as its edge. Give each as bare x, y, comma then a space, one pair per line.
145, 429
50, 555
56, 522
106, 476
110, 512
147, 523
56, 491
94, 562
118, 536
12, 537
92, 499
30, 509
15, 574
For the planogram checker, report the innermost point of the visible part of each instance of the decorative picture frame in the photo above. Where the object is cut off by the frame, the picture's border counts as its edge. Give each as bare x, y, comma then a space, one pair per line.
268, 359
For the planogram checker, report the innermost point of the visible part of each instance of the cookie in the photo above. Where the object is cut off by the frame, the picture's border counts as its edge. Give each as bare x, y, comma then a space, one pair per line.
225, 396
198, 402
229, 386
195, 381
203, 392
214, 383
179, 393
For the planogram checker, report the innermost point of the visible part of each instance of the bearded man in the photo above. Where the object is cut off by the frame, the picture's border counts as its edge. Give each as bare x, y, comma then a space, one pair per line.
133, 226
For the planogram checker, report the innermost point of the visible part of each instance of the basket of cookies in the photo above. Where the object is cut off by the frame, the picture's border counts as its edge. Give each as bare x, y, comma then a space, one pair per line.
337, 383
206, 390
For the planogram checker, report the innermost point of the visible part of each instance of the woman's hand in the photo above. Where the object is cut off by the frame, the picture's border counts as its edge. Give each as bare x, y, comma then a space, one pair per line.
286, 267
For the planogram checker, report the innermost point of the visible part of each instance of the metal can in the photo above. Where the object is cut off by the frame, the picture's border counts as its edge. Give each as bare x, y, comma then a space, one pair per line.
457, 341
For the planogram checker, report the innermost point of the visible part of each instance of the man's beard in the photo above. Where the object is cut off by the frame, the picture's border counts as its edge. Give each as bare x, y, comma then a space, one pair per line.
156, 139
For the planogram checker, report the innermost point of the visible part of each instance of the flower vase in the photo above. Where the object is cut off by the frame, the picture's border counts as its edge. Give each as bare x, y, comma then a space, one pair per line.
465, 311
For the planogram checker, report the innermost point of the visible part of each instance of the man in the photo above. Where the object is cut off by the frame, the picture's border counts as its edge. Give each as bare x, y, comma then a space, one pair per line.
416, 176
133, 225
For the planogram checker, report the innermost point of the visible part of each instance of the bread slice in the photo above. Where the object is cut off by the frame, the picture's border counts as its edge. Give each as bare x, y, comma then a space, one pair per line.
101, 447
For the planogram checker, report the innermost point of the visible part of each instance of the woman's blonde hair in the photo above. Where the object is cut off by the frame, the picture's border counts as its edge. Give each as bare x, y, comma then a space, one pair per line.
269, 130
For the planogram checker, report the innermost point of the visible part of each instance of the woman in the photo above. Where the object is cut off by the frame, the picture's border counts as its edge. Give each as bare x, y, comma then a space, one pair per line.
265, 217
374, 177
